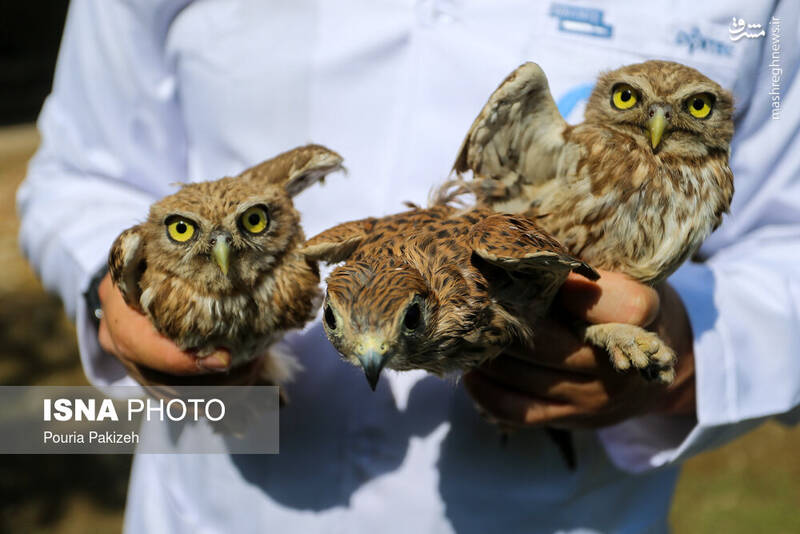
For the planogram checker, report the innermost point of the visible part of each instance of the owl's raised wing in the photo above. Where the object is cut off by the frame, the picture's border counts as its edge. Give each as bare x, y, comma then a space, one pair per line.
296, 169
520, 247
339, 242
126, 264
515, 140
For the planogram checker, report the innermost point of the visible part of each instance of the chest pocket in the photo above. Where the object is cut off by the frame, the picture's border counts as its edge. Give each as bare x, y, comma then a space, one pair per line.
582, 41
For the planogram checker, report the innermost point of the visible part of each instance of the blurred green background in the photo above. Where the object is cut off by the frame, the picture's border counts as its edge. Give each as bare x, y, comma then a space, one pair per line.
751, 485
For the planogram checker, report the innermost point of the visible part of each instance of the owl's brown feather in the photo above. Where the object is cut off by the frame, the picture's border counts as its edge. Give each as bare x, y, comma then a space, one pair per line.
296, 169
126, 264
516, 138
636, 188
600, 187
242, 298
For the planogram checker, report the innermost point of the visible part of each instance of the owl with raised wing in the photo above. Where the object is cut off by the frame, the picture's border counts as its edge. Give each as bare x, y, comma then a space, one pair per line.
635, 188
217, 265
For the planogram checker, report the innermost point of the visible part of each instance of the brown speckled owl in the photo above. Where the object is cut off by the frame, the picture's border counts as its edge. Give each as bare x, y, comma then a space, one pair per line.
635, 188
216, 263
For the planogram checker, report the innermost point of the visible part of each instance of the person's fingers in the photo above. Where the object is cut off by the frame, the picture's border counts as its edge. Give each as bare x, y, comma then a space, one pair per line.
157, 352
540, 382
556, 346
105, 287
614, 298
104, 338
126, 333
512, 407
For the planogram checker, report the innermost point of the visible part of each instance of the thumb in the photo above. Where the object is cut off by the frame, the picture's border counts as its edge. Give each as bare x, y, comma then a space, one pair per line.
614, 298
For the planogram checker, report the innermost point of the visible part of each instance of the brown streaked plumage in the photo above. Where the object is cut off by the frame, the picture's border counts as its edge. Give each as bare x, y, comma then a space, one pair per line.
635, 188
439, 289
600, 187
216, 263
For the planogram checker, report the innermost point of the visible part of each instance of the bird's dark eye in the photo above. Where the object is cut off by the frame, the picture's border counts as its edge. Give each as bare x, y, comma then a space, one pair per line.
330, 318
411, 320
698, 104
625, 96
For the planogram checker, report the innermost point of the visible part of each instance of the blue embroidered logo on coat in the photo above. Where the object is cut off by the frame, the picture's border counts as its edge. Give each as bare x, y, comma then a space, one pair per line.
697, 41
583, 20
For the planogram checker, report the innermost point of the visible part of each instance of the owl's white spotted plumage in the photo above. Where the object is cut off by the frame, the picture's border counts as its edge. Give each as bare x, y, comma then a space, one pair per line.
635, 188
216, 264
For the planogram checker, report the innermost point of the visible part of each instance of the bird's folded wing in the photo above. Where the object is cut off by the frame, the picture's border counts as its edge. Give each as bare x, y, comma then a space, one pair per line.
125, 263
339, 242
516, 139
518, 244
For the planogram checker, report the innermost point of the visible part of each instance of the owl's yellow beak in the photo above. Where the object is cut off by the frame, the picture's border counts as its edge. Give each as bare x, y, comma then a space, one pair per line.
656, 125
221, 254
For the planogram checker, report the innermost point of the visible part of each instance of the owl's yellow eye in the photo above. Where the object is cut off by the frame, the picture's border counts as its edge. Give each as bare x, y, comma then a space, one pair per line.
255, 220
624, 96
180, 229
700, 105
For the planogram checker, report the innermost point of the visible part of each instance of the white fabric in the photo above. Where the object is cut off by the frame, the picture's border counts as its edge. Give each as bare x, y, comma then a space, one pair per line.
148, 93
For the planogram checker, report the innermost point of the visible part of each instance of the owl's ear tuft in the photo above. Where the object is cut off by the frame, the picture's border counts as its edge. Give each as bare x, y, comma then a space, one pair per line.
338, 243
126, 264
296, 169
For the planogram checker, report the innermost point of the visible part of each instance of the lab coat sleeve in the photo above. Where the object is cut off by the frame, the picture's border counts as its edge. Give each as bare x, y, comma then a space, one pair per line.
744, 301
111, 141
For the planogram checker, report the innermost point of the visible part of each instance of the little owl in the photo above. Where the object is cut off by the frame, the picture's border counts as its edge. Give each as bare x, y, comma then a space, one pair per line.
216, 265
635, 188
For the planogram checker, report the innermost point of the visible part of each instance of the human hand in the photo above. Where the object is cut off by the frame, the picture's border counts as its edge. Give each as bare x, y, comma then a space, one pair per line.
567, 383
131, 337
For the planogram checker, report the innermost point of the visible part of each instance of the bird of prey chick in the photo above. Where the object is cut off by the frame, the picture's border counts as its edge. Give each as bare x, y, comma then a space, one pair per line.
216, 264
439, 289
635, 188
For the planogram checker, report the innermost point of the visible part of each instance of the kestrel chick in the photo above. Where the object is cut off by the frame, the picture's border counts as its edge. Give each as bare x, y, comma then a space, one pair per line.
216, 264
439, 289
635, 188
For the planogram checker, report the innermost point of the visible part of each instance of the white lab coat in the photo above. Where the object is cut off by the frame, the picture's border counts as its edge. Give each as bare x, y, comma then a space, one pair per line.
148, 93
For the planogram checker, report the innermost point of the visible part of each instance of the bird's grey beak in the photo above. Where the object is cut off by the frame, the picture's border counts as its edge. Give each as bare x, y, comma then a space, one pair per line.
372, 363
656, 125
373, 357
221, 252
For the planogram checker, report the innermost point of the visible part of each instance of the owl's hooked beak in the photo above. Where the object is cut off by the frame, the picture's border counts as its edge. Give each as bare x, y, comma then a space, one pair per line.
656, 124
221, 252
373, 356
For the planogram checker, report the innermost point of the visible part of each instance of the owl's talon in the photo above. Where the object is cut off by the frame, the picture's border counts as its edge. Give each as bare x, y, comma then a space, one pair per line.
630, 345
655, 373
638, 356
648, 345
619, 360
667, 376
650, 373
